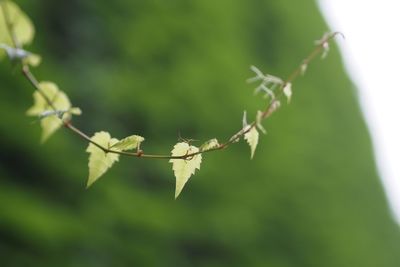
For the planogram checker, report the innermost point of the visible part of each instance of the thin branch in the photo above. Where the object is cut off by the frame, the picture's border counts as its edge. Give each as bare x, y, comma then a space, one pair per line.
269, 110
68, 124
32, 79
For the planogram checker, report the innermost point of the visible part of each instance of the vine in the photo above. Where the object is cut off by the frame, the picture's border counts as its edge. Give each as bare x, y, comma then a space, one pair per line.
54, 110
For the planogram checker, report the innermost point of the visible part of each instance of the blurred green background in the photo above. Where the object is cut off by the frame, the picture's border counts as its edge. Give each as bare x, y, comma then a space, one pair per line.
310, 197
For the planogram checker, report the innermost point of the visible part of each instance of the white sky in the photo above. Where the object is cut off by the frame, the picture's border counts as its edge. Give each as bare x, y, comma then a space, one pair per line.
371, 52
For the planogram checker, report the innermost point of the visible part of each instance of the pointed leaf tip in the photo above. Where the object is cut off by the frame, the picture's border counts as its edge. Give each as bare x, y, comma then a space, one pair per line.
184, 168
252, 139
99, 161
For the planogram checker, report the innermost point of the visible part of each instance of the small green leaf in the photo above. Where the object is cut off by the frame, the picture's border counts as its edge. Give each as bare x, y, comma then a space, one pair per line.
184, 168
287, 91
75, 111
210, 144
99, 161
60, 102
252, 139
33, 59
128, 143
21, 24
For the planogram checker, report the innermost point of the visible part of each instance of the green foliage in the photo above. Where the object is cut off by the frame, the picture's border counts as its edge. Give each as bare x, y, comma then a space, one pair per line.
252, 139
53, 108
59, 102
184, 168
128, 143
21, 25
99, 160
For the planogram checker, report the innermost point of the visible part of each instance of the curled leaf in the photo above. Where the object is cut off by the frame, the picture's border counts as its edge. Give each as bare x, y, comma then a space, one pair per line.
128, 143
184, 168
210, 144
99, 161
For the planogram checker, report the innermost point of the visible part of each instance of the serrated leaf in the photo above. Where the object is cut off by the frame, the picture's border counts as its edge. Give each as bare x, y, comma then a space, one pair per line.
128, 143
99, 161
252, 139
22, 25
60, 102
210, 144
184, 168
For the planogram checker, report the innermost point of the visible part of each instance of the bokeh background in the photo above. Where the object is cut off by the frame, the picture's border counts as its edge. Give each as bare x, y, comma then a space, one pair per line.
310, 197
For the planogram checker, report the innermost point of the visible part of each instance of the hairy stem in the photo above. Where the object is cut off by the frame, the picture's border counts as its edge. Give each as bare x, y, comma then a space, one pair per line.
296, 72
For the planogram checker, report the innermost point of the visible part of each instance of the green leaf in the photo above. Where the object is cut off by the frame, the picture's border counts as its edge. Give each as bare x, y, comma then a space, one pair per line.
252, 139
99, 161
210, 144
184, 168
287, 91
59, 101
21, 24
128, 143
33, 59
75, 111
